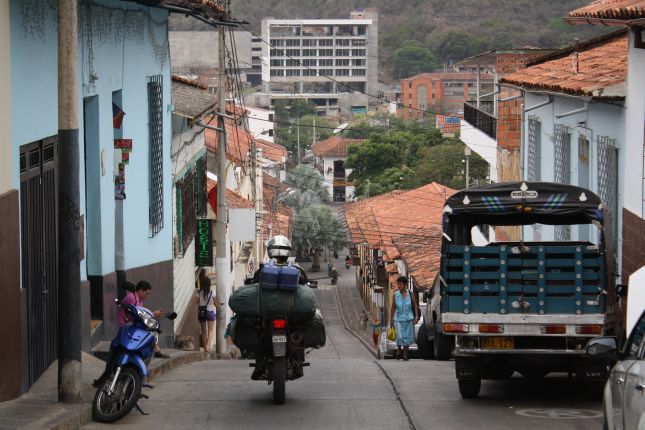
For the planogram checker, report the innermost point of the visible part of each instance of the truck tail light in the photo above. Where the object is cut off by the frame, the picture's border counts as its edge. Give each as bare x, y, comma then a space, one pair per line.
455, 328
589, 329
553, 329
491, 328
279, 324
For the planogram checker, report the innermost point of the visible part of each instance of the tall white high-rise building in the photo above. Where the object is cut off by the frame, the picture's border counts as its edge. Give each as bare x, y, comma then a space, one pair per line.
304, 53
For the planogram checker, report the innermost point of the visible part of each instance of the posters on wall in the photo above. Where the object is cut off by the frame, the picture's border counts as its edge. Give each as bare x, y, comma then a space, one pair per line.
122, 151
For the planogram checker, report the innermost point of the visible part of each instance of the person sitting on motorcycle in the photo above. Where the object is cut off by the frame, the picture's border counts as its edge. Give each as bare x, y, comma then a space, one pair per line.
279, 249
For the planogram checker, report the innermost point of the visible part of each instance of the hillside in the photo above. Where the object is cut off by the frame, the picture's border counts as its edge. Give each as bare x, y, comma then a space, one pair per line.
450, 29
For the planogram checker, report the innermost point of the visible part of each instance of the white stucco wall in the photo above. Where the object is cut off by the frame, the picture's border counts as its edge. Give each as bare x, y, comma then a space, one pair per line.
259, 123
482, 144
7, 160
328, 178
634, 195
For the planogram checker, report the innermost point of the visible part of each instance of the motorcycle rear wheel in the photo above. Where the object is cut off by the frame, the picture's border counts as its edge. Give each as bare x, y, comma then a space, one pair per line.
279, 380
127, 390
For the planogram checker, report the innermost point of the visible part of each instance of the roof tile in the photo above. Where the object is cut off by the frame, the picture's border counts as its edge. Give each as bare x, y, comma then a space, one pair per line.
335, 146
611, 9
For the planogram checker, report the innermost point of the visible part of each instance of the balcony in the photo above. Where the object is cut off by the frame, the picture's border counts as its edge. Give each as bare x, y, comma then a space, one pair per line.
481, 119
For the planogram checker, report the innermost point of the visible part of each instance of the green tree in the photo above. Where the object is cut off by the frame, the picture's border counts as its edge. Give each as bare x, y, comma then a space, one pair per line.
288, 113
307, 188
394, 178
315, 227
444, 164
456, 45
411, 59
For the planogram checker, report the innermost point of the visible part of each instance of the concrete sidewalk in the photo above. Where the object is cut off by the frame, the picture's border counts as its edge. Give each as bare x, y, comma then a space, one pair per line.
39, 409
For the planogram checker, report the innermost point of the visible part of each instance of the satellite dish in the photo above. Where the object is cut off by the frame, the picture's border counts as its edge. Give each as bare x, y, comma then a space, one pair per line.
340, 128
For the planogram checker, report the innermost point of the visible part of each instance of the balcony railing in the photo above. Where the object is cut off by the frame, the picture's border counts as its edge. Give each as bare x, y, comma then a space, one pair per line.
480, 119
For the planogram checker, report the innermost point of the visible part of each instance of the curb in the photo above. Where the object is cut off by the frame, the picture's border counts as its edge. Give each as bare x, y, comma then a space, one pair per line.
361, 340
72, 417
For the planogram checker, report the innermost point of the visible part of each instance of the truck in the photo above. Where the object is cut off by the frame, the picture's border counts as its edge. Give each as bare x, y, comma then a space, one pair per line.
524, 306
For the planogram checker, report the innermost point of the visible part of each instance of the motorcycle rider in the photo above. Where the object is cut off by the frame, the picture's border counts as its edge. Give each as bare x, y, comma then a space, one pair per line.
278, 248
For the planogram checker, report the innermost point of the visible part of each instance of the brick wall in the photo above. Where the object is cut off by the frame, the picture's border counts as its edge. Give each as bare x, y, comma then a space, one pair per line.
633, 240
510, 63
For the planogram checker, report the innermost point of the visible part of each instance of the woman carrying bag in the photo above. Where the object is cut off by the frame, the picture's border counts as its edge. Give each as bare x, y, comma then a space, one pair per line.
405, 314
205, 312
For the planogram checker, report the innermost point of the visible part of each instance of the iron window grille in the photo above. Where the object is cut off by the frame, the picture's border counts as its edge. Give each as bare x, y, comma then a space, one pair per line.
155, 129
562, 169
608, 179
186, 210
534, 165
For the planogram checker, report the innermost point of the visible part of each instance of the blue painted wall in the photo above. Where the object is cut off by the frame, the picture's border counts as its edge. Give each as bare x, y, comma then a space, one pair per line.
124, 44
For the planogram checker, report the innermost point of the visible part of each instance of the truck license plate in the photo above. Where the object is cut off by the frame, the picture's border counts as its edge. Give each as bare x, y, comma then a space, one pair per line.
278, 339
494, 342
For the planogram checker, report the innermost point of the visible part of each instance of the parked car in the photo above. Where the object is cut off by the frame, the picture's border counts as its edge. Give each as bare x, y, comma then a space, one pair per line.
624, 395
431, 341
387, 348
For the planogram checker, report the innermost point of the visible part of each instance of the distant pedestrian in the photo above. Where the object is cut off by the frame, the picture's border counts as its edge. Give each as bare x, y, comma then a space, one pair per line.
405, 313
205, 301
364, 320
376, 330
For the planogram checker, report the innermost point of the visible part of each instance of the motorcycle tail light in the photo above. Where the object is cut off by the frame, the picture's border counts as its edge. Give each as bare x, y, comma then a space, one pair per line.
279, 324
589, 329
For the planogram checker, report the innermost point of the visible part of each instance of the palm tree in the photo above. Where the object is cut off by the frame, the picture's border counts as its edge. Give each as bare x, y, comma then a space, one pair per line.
315, 227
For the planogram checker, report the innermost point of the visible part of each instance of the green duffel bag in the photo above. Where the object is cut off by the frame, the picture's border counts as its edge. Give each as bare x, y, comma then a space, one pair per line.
313, 331
253, 301
246, 336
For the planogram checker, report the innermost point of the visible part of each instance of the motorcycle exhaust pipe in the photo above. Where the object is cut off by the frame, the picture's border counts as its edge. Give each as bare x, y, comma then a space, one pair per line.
296, 338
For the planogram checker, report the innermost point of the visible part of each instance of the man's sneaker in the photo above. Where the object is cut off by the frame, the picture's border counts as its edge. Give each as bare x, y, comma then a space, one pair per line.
160, 354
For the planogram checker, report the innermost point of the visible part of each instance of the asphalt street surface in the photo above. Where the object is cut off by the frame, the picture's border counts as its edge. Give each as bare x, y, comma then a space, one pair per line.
347, 388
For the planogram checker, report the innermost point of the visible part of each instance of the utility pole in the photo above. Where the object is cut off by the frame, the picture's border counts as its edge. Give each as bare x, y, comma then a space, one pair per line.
467, 153
298, 139
313, 140
69, 275
221, 262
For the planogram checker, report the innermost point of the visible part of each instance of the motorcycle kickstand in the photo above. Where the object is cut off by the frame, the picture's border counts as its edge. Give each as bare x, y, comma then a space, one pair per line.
136, 405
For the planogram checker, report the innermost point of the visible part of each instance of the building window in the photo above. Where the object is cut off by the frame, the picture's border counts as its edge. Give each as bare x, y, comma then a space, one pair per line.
277, 53
562, 169
342, 52
361, 30
359, 42
534, 162
308, 52
293, 72
308, 42
293, 63
325, 62
342, 72
608, 181
293, 52
277, 63
270, 117
359, 62
309, 63
186, 211
277, 42
277, 72
358, 72
326, 72
155, 130
326, 52
325, 42
342, 63
293, 42
309, 72
342, 42
256, 49
358, 52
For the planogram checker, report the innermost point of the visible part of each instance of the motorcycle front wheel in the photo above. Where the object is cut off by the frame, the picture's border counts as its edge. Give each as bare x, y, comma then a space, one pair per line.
108, 408
279, 370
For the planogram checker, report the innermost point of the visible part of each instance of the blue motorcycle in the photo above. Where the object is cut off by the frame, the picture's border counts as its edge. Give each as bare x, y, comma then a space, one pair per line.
130, 353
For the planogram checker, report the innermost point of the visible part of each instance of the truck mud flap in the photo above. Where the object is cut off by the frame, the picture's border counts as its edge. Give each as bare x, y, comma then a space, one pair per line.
466, 369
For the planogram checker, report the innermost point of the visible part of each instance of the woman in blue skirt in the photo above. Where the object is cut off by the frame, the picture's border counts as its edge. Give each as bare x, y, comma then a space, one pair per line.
405, 313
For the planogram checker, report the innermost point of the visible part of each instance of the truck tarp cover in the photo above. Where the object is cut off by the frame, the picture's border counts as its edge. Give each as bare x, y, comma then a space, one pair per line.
522, 203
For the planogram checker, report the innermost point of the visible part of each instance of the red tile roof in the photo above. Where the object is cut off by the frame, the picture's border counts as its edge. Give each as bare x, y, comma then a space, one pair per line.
599, 66
272, 151
404, 224
335, 146
453, 76
611, 9
238, 143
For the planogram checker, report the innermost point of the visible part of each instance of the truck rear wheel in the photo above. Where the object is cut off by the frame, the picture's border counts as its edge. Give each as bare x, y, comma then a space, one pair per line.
469, 388
442, 346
